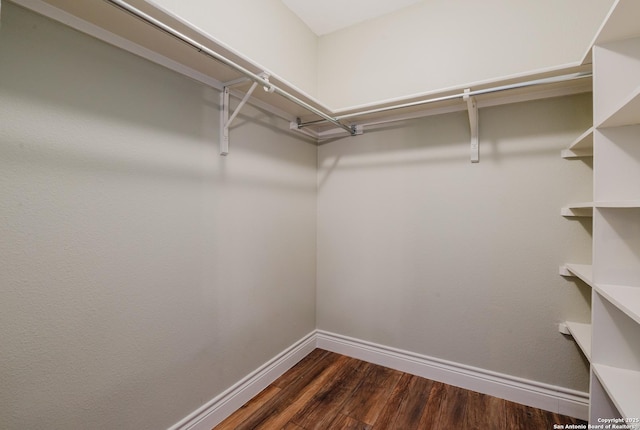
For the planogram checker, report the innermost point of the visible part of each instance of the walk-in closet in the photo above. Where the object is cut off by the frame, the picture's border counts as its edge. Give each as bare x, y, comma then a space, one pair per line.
359, 209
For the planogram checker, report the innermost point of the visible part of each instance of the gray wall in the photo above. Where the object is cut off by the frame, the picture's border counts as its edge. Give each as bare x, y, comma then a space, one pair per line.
141, 274
421, 250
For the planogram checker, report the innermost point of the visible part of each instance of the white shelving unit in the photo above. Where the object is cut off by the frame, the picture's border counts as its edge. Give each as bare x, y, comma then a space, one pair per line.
615, 317
612, 341
581, 147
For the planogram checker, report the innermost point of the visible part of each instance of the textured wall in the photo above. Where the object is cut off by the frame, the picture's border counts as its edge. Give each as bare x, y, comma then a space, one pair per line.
439, 44
141, 274
421, 250
265, 31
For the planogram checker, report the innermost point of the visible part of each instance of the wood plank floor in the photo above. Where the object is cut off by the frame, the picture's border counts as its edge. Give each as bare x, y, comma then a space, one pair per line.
331, 391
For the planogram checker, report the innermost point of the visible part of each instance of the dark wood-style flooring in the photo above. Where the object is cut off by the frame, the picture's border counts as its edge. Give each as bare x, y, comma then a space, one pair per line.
331, 391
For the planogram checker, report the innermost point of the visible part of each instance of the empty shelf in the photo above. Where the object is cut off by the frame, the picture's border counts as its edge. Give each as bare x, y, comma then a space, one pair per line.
578, 209
581, 333
627, 114
620, 204
622, 387
625, 298
581, 147
582, 271
622, 23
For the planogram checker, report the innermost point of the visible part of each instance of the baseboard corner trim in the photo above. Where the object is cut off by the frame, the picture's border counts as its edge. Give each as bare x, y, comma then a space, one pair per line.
220, 407
531, 393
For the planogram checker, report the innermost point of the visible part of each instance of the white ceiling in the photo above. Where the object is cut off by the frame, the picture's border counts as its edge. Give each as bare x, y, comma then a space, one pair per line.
326, 16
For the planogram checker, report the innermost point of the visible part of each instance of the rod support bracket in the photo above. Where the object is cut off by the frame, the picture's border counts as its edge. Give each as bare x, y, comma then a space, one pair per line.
472, 108
226, 119
269, 87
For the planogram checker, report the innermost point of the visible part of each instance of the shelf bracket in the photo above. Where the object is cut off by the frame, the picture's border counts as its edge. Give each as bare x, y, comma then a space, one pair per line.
564, 329
226, 119
472, 108
564, 271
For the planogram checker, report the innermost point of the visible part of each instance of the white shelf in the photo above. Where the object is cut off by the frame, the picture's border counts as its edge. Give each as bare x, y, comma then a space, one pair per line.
617, 169
628, 113
616, 84
625, 298
581, 333
582, 271
581, 147
600, 404
616, 241
621, 23
576, 153
578, 210
622, 386
620, 204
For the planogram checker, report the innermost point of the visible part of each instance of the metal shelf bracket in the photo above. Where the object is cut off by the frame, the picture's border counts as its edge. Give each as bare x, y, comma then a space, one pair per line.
225, 117
472, 108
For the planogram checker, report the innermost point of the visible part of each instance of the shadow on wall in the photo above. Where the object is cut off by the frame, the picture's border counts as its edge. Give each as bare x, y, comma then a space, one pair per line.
509, 131
63, 69
70, 83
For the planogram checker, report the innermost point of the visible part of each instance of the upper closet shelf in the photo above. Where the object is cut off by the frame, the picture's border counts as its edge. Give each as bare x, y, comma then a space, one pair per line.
620, 24
628, 113
581, 147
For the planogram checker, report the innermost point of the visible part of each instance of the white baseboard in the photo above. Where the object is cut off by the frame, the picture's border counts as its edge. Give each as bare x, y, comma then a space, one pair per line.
543, 396
217, 409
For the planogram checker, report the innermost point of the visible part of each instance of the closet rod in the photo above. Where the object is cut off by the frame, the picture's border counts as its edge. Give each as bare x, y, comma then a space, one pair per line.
525, 84
210, 53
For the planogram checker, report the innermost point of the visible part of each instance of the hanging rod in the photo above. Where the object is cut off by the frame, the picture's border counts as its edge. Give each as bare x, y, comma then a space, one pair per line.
212, 54
550, 80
